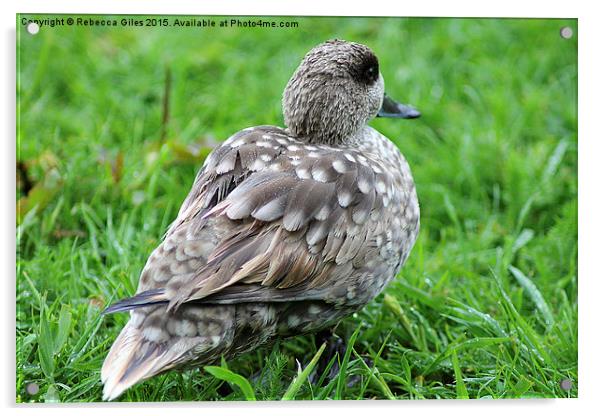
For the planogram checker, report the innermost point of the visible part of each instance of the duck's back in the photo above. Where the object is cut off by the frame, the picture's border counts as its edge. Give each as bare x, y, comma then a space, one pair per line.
276, 237
351, 207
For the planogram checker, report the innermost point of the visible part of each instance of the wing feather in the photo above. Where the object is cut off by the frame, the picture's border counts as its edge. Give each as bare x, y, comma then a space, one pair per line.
295, 217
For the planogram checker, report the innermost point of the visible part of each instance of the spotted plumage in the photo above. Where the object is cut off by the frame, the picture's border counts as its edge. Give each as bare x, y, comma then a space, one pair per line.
285, 231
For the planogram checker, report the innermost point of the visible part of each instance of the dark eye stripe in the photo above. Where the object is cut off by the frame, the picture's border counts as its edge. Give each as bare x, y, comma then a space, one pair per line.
370, 74
366, 70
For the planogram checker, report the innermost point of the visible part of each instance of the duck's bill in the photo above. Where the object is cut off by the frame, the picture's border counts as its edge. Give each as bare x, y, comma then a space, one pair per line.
393, 109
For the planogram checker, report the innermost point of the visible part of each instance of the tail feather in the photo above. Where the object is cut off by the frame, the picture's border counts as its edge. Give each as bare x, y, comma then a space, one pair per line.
154, 341
116, 363
148, 298
133, 358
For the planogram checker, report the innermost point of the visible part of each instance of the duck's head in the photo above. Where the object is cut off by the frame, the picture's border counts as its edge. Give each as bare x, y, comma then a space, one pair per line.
335, 91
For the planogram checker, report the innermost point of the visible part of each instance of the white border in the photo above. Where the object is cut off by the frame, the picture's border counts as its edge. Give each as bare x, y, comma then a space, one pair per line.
590, 178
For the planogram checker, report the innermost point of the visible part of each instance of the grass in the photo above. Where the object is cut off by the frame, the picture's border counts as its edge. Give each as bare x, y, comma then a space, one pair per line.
486, 306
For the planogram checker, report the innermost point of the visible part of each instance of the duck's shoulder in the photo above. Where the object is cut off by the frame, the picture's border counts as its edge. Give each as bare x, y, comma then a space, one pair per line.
379, 146
273, 176
251, 139
382, 149
266, 173
257, 134
270, 148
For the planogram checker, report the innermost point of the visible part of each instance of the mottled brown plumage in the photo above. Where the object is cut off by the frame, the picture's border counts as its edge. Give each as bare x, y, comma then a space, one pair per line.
284, 231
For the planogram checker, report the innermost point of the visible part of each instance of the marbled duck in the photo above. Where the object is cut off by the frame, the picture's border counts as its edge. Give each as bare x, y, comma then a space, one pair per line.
285, 231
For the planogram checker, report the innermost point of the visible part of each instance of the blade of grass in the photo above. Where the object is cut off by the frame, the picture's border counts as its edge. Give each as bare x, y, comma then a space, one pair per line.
529, 333
375, 363
535, 295
63, 328
521, 387
392, 303
420, 295
380, 382
326, 370
343, 370
473, 343
300, 379
325, 392
233, 378
46, 346
461, 392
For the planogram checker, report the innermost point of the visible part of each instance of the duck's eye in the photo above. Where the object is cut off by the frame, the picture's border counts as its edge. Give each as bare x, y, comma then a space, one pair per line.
370, 74
366, 70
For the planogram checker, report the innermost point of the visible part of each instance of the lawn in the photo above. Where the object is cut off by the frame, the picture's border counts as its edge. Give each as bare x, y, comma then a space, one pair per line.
486, 306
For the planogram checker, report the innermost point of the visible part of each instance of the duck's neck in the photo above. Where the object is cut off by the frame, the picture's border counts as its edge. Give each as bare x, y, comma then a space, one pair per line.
330, 138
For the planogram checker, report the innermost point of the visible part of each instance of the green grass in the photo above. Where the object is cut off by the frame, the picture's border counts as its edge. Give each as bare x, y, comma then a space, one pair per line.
486, 306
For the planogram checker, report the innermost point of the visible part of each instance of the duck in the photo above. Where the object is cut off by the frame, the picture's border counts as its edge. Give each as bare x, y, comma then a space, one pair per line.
285, 231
